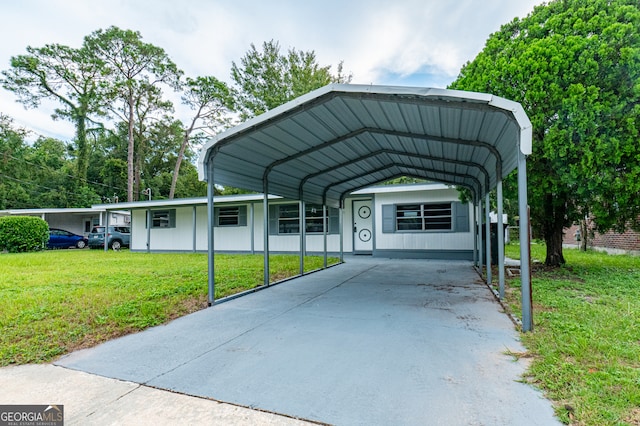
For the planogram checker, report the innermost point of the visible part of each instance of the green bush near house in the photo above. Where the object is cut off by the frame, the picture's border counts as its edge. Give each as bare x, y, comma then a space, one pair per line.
23, 233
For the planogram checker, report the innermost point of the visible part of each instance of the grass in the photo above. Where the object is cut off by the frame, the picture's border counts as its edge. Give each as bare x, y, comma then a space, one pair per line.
54, 302
586, 340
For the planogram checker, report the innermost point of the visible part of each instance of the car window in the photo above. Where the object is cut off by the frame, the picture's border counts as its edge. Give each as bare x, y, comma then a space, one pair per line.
97, 230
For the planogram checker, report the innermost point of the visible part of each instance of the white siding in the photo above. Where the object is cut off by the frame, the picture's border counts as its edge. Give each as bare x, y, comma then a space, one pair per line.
138, 230
238, 238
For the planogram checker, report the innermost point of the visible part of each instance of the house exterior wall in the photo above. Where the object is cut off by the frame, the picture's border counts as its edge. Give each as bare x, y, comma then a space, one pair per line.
449, 244
454, 244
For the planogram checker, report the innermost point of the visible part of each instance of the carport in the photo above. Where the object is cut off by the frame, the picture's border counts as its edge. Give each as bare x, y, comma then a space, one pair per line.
324, 145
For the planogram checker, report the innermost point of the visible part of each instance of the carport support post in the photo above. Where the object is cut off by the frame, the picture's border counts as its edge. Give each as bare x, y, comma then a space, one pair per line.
324, 231
525, 255
303, 234
210, 235
106, 230
148, 230
265, 204
341, 224
475, 230
500, 241
487, 228
479, 236
195, 233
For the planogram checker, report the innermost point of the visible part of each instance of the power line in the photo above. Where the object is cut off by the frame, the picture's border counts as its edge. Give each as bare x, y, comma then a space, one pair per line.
48, 169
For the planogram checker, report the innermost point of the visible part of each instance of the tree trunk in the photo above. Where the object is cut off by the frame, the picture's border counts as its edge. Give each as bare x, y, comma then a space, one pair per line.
183, 147
554, 249
553, 228
138, 178
584, 235
83, 152
130, 153
176, 170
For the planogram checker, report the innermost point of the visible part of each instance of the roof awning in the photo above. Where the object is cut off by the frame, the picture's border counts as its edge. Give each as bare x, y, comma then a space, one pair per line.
320, 147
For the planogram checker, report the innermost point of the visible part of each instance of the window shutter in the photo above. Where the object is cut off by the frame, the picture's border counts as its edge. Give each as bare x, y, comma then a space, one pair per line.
334, 221
242, 216
462, 217
172, 218
216, 215
388, 218
274, 213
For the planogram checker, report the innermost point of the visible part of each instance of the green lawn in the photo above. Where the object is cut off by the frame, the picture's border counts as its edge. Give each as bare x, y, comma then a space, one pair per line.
585, 347
54, 302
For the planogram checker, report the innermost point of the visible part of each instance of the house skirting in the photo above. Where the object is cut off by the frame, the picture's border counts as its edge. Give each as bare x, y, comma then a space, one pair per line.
425, 254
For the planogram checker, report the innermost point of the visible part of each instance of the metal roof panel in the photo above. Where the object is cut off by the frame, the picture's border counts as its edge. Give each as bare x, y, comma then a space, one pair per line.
349, 136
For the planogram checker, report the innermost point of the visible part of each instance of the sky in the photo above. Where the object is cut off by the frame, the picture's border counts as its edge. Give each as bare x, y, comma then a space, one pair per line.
400, 42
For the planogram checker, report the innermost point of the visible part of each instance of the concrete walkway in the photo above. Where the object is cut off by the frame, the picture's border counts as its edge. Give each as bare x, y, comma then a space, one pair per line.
89, 399
372, 341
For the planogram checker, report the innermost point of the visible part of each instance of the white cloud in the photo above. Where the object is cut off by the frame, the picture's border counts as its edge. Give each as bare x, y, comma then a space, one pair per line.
402, 42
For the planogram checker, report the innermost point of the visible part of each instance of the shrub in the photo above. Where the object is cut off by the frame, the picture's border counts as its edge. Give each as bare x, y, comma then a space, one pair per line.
23, 233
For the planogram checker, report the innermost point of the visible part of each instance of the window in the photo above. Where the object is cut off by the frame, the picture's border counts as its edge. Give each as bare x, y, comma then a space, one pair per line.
231, 216
285, 219
313, 215
424, 217
288, 219
163, 219
437, 216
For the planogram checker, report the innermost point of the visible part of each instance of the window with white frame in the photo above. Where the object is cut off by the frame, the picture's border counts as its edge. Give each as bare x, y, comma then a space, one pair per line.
313, 215
285, 219
288, 219
424, 217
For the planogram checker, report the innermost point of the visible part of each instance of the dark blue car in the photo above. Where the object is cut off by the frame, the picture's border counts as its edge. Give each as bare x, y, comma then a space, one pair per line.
59, 238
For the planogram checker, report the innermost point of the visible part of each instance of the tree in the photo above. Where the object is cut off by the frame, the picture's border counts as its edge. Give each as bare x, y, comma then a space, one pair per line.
269, 78
133, 67
72, 77
575, 68
12, 149
212, 101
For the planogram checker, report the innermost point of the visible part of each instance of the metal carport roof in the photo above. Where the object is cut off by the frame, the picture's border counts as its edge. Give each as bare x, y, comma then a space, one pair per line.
321, 146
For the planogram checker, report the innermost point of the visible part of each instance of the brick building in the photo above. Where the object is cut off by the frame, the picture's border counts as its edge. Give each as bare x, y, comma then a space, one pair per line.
613, 242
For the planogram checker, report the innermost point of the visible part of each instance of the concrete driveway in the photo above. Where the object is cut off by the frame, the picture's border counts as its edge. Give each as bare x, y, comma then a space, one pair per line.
372, 341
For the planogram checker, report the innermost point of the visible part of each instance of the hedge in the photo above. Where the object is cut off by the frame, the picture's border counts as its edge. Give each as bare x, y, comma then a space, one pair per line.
23, 233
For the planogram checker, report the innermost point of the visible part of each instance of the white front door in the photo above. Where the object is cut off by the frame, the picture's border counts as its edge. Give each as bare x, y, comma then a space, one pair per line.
362, 226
